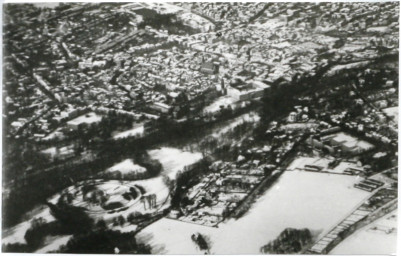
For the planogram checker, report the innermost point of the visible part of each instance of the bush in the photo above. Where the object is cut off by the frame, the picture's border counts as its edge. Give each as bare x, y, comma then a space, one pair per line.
16, 247
104, 242
289, 241
73, 218
35, 235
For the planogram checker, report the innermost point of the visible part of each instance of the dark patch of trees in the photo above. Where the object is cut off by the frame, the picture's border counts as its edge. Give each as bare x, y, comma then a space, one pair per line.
187, 179
71, 220
75, 218
16, 248
289, 241
200, 241
163, 21
104, 242
141, 189
112, 206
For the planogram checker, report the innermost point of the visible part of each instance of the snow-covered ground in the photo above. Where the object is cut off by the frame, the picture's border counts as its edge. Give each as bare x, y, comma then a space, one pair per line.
126, 167
174, 159
155, 186
50, 151
300, 162
270, 24
168, 236
249, 117
311, 200
16, 233
135, 131
393, 112
381, 29
222, 101
53, 243
371, 241
88, 118
56, 134
46, 5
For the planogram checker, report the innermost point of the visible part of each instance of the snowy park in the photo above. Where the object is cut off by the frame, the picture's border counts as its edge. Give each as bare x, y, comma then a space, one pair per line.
316, 201
174, 159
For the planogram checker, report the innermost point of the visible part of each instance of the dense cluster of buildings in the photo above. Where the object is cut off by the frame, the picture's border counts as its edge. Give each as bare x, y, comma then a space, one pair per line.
162, 73
257, 88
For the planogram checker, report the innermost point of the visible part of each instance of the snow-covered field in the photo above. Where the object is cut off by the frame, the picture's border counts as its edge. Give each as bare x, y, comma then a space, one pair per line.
300, 162
46, 5
54, 243
222, 101
174, 159
311, 200
88, 118
126, 167
16, 234
50, 151
136, 131
370, 241
270, 24
249, 117
152, 186
393, 112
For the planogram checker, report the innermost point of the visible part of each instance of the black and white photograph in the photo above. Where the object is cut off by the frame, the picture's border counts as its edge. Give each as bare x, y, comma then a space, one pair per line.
190, 128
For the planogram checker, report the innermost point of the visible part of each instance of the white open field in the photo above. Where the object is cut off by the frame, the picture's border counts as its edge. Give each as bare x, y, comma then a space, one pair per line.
393, 112
300, 162
126, 167
251, 117
316, 201
53, 243
221, 101
137, 130
174, 159
16, 234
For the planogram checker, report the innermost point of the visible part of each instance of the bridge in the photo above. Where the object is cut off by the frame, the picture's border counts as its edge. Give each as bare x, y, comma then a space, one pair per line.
359, 217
